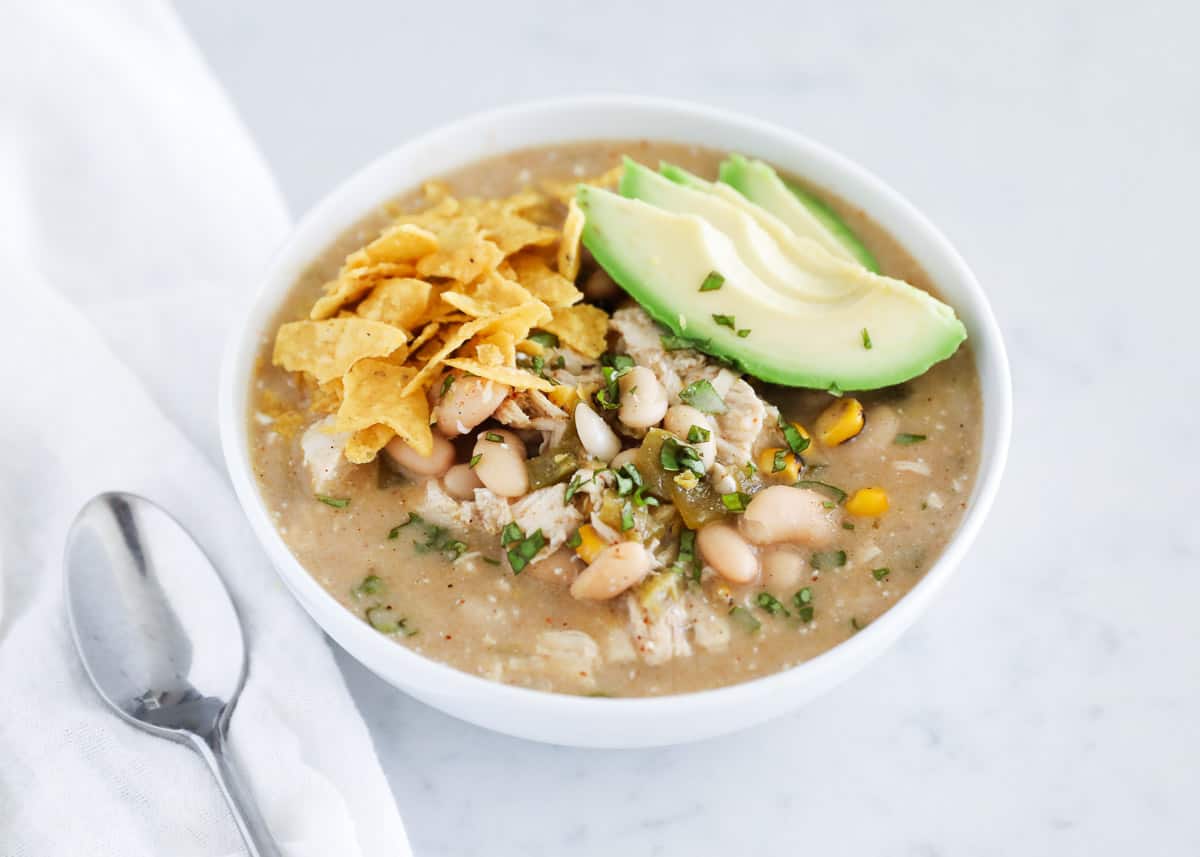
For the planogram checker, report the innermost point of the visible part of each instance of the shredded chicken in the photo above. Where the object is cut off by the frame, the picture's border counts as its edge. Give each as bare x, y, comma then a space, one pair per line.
323, 453
492, 512
641, 339
441, 509
739, 428
545, 510
561, 657
659, 635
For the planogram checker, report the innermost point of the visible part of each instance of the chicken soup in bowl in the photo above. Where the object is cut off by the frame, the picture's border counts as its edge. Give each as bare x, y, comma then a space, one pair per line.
589, 435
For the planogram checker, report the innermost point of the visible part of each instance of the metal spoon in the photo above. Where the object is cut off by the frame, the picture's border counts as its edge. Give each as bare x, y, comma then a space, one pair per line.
159, 637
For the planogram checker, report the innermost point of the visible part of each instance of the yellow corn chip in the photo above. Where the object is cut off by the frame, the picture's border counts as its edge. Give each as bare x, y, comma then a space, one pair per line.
580, 327
327, 398
327, 349
516, 322
376, 393
489, 355
454, 338
463, 253
518, 379
489, 295
404, 242
568, 246
364, 445
427, 333
552, 288
285, 421
401, 302
510, 231
503, 340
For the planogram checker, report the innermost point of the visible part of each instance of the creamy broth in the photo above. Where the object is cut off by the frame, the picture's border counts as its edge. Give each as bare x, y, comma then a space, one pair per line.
475, 614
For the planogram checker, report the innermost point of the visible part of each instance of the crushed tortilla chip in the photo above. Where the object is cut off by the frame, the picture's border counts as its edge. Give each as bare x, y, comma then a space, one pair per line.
506, 228
568, 246
517, 321
327, 349
364, 445
489, 355
488, 295
427, 333
403, 302
583, 327
518, 379
375, 392
547, 285
404, 242
502, 340
464, 253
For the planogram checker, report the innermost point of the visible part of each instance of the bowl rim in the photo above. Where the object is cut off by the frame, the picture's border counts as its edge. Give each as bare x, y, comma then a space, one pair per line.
344, 204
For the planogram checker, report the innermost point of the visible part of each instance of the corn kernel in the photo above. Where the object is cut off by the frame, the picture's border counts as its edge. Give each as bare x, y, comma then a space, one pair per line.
840, 421
867, 502
791, 465
590, 544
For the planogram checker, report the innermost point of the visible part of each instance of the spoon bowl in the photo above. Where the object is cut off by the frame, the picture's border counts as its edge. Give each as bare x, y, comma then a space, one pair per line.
158, 634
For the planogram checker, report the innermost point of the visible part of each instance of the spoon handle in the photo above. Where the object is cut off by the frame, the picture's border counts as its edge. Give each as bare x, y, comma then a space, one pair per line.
258, 839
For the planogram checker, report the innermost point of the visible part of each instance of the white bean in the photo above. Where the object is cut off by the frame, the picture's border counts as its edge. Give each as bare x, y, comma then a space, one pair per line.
461, 480
501, 464
643, 399
679, 421
467, 403
626, 456
597, 437
617, 568
783, 569
783, 514
730, 555
412, 462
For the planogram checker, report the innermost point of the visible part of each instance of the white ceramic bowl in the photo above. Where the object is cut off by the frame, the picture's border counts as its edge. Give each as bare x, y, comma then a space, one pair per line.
574, 720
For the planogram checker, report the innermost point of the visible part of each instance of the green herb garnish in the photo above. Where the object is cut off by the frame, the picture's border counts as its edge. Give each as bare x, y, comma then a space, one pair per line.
474, 460
629, 479
447, 383
825, 560
743, 333
712, 282
413, 518
846, 525
779, 461
735, 501
493, 437
525, 550
880, 573
837, 494
386, 620
490, 560
698, 434
335, 502
671, 342
575, 540
686, 563
674, 456
771, 604
558, 362
372, 584
725, 321
703, 396
626, 517
866, 339
796, 442
802, 601
905, 439
574, 485
544, 338
511, 533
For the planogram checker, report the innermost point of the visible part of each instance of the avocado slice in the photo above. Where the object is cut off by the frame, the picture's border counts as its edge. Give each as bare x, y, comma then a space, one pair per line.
804, 213
663, 257
767, 247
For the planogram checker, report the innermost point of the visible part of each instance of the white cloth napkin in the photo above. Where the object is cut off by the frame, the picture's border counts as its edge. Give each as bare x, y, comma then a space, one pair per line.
135, 216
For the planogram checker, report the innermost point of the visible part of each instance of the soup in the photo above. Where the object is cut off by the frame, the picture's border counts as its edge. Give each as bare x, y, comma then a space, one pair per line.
475, 439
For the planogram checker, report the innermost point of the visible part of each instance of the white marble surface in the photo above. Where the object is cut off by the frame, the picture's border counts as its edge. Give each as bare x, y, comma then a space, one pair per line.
1050, 702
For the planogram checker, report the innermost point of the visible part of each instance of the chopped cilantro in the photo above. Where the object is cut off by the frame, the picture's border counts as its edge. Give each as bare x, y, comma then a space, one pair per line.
490, 560
846, 525
743, 333
686, 563
698, 434
712, 282
626, 517
558, 362
575, 540
447, 383
372, 584
511, 533
544, 338
413, 518
725, 321
525, 550
629, 479
905, 439
771, 604
831, 491
494, 437
574, 485
779, 461
880, 573
802, 601
866, 339
474, 460
825, 560
735, 501
335, 502
796, 441
702, 396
